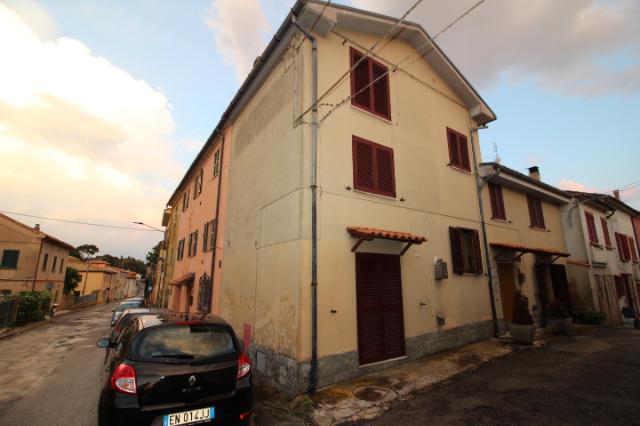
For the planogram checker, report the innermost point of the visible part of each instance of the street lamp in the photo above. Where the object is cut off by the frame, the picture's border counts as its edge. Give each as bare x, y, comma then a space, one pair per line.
149, 226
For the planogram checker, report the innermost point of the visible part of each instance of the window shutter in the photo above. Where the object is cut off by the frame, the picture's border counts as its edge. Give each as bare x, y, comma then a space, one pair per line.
363, 173
605, 231
477, 254
497, 202
381, 90
456, 251
214, 224
532, 213
620, 247
454, 154
464, 152
591, 227
384, 172
360, 91
632, 247
205, 236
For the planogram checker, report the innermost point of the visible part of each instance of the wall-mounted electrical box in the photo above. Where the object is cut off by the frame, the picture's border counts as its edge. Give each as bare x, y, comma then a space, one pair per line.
440, 270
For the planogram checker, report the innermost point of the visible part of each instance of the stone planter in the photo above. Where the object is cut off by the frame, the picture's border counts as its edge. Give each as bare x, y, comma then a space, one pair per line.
522, 334
559, 326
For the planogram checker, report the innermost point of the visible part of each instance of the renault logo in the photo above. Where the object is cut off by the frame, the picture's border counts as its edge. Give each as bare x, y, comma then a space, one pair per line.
192, 381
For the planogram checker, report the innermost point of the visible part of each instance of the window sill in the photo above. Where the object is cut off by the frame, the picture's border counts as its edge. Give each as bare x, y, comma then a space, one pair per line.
372, 114
386, 197
609, 247
460, 169
496, 219
535, 228
595, 244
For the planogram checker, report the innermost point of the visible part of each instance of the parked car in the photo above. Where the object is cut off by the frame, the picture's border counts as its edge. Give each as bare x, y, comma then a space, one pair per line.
123, 306
161, 372
127, 316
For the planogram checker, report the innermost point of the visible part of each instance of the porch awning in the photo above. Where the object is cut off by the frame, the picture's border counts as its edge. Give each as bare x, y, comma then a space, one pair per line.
369, 234
525, 249
185, 279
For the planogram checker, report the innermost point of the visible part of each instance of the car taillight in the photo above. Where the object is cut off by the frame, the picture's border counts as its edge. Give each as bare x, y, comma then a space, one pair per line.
117, 328
124, 379
244, 365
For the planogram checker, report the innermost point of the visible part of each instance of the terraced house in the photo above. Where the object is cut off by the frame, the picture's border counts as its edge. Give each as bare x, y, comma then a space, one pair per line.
345, 238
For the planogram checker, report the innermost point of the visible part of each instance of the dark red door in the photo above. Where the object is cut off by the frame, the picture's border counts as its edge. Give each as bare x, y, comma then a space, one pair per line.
379, 305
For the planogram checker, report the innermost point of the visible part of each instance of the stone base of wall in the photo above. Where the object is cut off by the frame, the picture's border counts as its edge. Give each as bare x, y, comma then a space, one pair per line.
292, 377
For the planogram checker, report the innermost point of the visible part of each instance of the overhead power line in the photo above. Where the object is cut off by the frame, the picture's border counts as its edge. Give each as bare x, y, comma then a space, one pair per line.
77, 222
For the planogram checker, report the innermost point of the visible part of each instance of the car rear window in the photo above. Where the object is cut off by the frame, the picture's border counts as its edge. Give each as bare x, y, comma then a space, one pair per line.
129, 305
185, 343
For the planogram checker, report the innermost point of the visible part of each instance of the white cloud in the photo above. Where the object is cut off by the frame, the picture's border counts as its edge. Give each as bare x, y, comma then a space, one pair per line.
240, 28
81, 138
572, 185
579, 47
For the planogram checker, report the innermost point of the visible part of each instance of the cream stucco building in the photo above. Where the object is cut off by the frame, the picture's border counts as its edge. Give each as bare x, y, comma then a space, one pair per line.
345, 240
31, 260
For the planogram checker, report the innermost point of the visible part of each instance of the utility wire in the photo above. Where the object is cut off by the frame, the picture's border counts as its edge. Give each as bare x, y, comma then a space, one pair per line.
130, 228
397, 66
314, 24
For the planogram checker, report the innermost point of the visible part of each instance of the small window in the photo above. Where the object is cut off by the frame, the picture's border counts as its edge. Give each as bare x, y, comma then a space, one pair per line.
212, 238
605, 231
55, 263
370, 85
193, 244
45, 261
497, 202
180, 254
458, 150
197, 185
632, 248
205, 236
373, 168
465, 251
185, 199
10, 259
591, 228
535, 212
623, 247
216, 163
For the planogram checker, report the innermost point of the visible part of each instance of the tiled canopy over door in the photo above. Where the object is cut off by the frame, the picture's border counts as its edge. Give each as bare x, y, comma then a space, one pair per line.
380, 315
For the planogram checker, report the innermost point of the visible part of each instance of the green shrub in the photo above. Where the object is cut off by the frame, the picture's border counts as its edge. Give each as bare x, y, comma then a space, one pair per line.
32, 306
589, 318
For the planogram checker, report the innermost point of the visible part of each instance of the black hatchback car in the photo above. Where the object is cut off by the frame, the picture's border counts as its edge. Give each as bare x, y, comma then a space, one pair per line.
168, 373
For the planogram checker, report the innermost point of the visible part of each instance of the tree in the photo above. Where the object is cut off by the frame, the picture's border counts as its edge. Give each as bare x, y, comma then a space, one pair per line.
110, 259
84, 251
154, 254
71, 280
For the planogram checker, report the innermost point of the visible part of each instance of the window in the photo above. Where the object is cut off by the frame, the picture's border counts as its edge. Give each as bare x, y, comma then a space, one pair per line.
373, 169
632, 247
216, 163
185, 199
193, 244
623, 247
591, 228
180, 254
45, 261
55, 262
370, 85
205, 236
212, 238
497, 202
535, 212
197, 185
458, 150
605, 232
10, 259
465, 251
209, 235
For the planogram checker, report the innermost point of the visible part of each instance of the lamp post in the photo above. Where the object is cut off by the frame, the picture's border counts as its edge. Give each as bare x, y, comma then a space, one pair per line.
149, 226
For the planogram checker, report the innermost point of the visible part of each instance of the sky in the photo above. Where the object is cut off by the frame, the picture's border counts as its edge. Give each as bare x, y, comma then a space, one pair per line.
103, 104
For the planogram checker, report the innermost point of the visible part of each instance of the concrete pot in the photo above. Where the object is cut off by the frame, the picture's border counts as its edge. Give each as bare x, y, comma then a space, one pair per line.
522, 334
559, 326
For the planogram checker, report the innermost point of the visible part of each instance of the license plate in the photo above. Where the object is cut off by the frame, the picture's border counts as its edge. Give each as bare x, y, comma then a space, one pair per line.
189, 417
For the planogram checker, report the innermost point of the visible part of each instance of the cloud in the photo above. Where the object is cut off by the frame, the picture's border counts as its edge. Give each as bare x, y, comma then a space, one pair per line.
240, 28
629, 195
577, 47
572, 185
81, 138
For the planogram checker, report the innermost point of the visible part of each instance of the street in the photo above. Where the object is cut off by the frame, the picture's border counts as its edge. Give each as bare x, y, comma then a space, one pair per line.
51, 375
593, 379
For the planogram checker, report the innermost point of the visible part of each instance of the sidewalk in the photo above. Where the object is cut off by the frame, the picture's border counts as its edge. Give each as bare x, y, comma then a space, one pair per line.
5, 333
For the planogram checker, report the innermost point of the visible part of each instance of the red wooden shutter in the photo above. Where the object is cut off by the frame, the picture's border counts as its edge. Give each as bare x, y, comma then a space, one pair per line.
625, 247
454, 152
620, 244
360, 79
381, 90
591, 227
477, 254
392, 309
464, 153
385, 180
605, 231
363, 173
532, 213
497, 202
632, 247
456, 251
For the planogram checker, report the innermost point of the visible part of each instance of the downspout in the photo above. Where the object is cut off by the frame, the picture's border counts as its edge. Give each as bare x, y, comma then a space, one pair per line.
35, 276
313, 378
479, 184
215, 242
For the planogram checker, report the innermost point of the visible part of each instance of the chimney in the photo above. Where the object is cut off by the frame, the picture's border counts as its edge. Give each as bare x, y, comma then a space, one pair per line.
616, 193
37, 227
534, 172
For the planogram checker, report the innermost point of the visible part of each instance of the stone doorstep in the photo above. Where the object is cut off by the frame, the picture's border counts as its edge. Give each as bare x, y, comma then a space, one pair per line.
369, 396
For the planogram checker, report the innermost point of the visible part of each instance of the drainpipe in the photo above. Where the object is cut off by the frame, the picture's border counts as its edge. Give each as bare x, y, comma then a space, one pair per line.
479, 184
215, 245
313, 378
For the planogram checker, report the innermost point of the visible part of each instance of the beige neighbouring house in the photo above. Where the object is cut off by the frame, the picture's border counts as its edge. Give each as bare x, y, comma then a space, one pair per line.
526, 239
604, 266
31, 260
400, 270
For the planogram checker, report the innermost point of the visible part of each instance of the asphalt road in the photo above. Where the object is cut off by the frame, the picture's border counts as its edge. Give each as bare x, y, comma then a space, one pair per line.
52, 375
585, 380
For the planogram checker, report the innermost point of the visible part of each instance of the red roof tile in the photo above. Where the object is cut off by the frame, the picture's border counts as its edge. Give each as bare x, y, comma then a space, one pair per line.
526, 249
371, 233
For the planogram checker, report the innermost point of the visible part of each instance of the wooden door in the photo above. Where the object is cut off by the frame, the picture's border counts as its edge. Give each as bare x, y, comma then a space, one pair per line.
561, 286
379, 307
608, 300
506, 275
